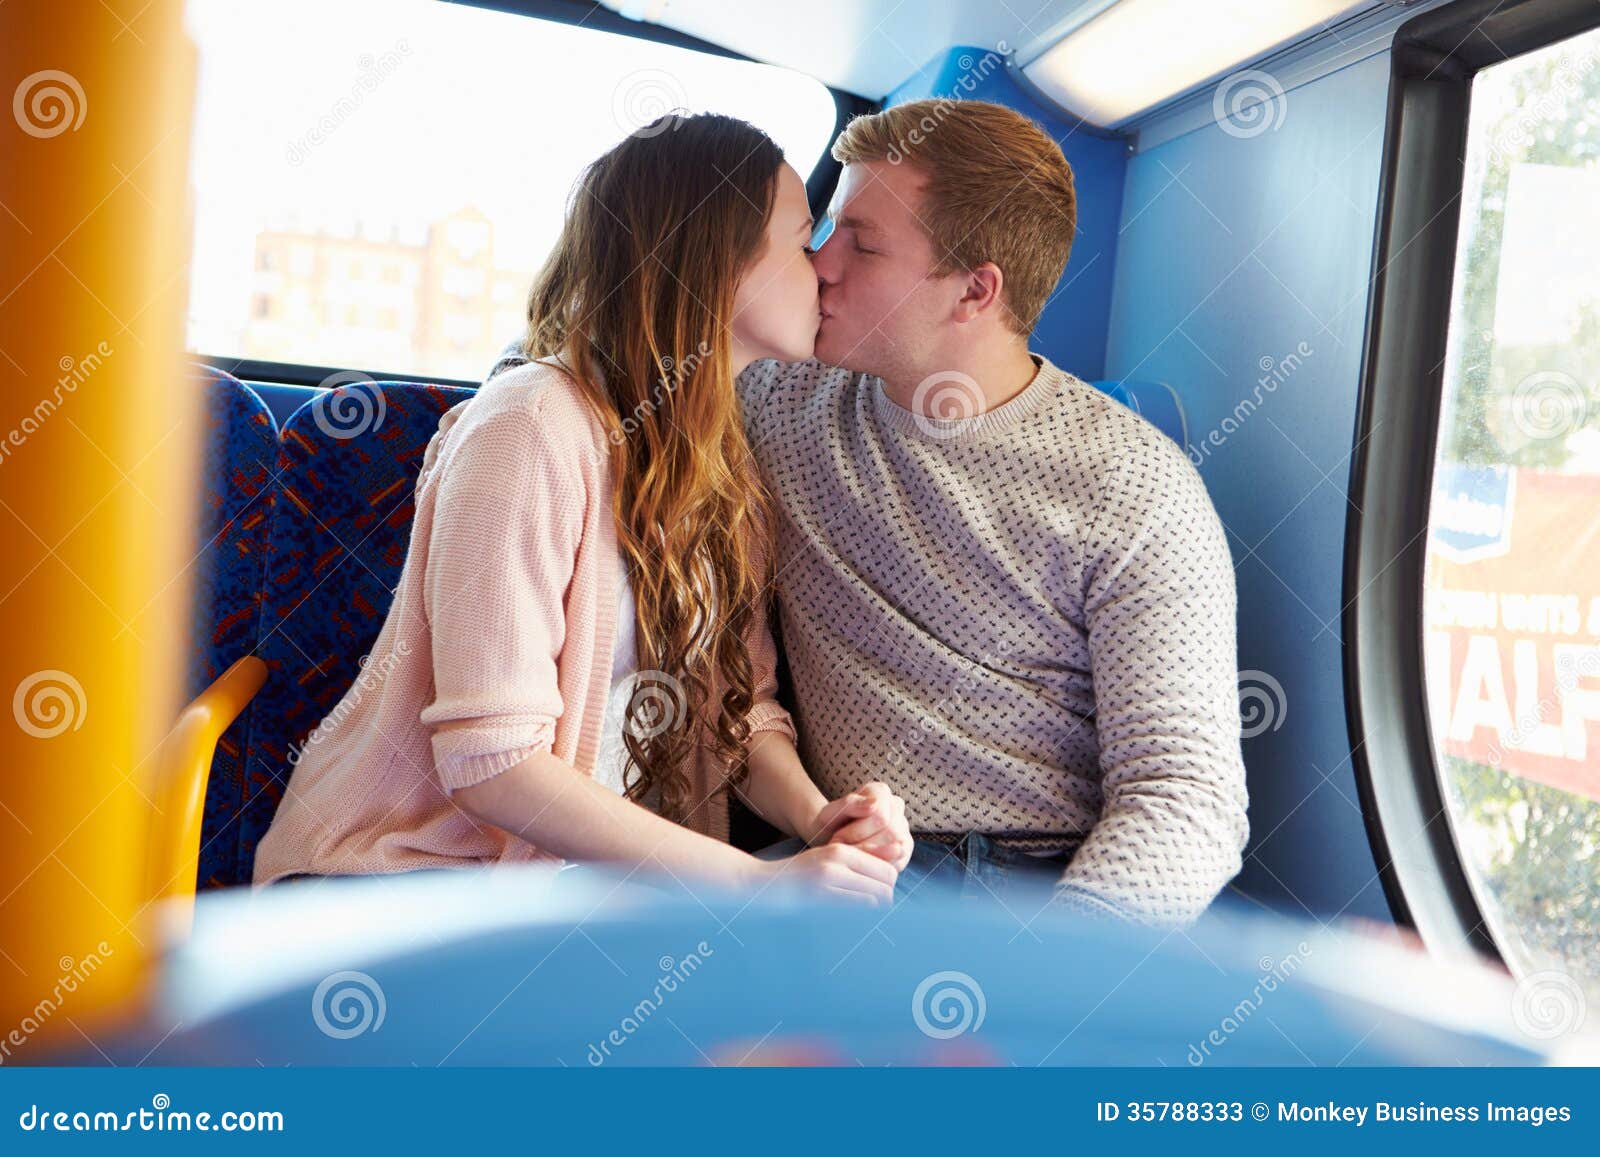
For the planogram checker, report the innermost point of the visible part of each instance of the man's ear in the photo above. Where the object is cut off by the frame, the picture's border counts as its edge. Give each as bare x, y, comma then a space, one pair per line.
982, 293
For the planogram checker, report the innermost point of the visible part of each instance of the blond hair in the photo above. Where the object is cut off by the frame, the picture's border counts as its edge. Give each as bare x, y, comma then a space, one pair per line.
998, 189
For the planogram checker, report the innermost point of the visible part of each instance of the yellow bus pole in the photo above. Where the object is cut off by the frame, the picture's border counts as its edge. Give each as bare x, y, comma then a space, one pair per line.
98, 452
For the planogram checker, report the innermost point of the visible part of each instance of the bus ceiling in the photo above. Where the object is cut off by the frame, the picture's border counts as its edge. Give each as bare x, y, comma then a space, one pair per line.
1105, 62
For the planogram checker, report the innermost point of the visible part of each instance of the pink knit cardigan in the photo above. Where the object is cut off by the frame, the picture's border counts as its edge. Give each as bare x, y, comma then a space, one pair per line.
498, 645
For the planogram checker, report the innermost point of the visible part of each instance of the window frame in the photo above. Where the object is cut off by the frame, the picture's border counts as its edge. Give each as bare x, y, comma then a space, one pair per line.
1435, 57
819, 183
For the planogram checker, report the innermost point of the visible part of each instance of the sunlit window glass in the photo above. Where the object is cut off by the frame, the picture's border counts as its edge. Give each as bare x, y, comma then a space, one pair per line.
1512, 600
376, 182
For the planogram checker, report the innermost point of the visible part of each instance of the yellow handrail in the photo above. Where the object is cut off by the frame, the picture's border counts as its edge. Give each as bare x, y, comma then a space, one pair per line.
183, 768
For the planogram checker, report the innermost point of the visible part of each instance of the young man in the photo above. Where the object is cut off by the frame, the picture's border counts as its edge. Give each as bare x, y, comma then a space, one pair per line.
1001, 593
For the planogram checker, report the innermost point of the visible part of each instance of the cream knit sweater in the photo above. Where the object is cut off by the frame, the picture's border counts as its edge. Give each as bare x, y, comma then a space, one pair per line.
1022, 622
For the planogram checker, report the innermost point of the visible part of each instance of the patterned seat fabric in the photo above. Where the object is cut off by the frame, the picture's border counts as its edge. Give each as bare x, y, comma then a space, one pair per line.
238, 465
337, 544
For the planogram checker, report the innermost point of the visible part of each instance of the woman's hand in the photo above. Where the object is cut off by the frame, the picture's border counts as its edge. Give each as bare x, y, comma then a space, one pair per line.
836, 870
871, 818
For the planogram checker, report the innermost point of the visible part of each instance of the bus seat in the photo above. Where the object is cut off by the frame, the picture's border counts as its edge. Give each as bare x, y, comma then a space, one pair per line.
338, 540
1156, 402
284, 399
238, 468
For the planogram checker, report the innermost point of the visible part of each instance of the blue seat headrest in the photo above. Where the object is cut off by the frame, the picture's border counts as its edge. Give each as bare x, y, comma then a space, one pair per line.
1156, 402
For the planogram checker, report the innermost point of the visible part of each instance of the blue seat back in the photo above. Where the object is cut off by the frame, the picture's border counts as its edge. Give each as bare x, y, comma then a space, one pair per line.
283, 399
1156, 402
239, 458
338, 540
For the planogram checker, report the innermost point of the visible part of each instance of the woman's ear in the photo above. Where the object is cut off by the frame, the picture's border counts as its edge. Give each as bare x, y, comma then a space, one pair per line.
982, 294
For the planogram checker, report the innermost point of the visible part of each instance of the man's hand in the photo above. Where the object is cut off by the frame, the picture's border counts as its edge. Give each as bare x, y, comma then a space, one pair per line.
871, 818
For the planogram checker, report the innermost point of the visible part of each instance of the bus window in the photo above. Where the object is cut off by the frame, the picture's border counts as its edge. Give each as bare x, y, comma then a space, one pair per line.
1512, 588
377, 183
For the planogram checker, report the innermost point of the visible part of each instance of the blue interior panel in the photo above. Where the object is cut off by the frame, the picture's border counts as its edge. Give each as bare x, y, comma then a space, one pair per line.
1242, 280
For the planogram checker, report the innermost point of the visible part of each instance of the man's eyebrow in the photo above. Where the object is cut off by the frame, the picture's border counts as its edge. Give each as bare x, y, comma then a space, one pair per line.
859, 224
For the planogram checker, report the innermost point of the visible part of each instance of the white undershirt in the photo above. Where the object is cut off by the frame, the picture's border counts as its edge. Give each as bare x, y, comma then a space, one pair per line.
612, 758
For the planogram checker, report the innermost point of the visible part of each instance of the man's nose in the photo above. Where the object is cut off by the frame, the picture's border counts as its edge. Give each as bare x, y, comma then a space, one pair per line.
823, 263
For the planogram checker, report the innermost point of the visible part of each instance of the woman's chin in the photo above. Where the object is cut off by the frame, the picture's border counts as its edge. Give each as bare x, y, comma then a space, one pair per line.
799, 352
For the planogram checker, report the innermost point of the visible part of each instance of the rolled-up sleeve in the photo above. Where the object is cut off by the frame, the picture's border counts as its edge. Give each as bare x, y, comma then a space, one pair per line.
766, 713
506, 527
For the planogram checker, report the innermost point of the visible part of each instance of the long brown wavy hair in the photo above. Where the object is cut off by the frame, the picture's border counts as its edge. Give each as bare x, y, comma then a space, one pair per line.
638, 298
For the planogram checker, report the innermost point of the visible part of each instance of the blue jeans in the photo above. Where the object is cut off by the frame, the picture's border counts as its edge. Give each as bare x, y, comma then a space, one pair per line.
973, 868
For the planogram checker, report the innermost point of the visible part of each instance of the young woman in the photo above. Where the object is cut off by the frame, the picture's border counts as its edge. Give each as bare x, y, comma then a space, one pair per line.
577, 662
